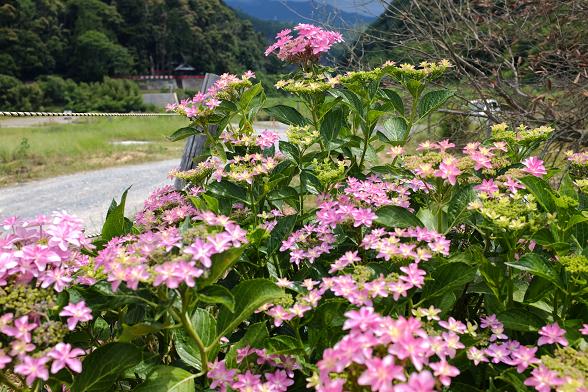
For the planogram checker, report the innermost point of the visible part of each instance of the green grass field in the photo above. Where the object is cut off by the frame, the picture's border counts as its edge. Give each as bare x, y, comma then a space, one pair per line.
40, 151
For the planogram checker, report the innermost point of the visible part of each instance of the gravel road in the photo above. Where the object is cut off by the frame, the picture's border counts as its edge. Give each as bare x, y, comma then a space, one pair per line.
86, 194
89, 194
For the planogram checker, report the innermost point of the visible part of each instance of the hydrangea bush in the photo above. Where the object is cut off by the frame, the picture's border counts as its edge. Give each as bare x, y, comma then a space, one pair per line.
332, 258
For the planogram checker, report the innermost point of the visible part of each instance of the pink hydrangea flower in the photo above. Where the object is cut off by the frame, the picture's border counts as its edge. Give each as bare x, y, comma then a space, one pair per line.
363, 319
32, 369
476, 355
543, 379
448, 170
444, 371
534, 166
78, 312
551, 334
21, 329
487, 186
524, 357
418, 382
65, 357
513, 185
380, 373
4, 359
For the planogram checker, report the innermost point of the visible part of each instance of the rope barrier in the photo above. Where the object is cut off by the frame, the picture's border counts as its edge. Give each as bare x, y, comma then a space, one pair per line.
51, 114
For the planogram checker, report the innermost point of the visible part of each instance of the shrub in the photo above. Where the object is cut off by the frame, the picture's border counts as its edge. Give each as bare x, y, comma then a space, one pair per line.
319, 265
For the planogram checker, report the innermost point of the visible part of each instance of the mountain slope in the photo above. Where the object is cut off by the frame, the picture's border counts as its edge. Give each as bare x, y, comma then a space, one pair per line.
299, 12
89, 39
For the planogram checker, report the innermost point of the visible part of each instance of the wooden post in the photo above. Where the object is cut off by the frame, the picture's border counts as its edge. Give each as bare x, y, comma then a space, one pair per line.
195, 144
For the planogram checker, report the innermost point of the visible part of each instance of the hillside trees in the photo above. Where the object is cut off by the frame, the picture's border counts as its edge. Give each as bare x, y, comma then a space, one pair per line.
530, 55
89, 39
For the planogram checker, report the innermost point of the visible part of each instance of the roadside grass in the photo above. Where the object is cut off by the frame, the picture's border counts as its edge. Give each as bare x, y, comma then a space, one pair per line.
48, 150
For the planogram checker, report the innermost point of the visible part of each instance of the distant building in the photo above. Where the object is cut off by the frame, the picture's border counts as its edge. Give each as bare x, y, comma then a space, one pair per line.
181, 77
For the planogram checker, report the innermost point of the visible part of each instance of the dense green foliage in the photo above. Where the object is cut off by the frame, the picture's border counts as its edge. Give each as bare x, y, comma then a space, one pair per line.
54, 92
89, 39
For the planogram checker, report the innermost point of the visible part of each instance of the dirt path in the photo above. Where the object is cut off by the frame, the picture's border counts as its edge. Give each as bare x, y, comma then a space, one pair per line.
87, 194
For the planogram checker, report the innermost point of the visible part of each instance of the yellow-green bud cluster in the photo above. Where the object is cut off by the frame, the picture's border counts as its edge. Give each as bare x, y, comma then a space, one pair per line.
24, 299
231, 91
49, 333
327, 171
362, 273
425, 70
582, 184
574, 263
512, 212
284, 301
572, 366
302, 136
361, 77
308, 86
522, 135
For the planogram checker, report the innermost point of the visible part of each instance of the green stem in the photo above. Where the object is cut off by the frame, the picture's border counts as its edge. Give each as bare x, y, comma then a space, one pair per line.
509, 283
365, 146
192, 333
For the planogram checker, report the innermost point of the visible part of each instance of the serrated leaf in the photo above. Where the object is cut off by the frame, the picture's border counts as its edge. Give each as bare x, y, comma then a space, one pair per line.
310, 182
395, 130
520, 320
249, 94
287, 115
290, 150
283, 345
132, 332
283, 193
457, 211
221, 262
103, 367
394, 216
115, 224
228, 189
332, 122
538, 266
217, 294
432, 101
394, 98
538, 289
183, 133
541, 190
352, 100
205, 326
279, 233
168, 379
448, 277
249, 295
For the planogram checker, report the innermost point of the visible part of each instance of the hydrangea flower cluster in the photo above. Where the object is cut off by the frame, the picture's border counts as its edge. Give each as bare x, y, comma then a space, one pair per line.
522, 135
263, 140
199, 174
424, 71
167, 257
355, 206
512, 210
244, 168
202, 105
310, 42
386, 354
165, 206
39, 259
258, 371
